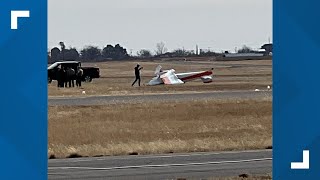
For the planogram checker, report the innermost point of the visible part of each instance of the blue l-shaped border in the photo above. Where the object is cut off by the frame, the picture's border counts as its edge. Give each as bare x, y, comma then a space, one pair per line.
23, 91
296, 92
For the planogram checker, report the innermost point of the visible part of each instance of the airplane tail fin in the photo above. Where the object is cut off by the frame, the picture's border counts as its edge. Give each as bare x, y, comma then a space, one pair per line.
158, 70
208, 77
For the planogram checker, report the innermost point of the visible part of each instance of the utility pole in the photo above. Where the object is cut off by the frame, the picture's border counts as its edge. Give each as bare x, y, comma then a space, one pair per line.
197, 50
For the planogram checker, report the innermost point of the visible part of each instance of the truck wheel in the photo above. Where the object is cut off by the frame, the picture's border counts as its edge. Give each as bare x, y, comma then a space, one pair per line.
87, 79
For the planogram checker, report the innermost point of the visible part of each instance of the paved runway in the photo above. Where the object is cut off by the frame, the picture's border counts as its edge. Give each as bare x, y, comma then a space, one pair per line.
170, 166
102, 100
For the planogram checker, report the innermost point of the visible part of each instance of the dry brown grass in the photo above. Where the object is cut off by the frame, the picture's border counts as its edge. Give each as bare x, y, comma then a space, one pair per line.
229, 75
151, 128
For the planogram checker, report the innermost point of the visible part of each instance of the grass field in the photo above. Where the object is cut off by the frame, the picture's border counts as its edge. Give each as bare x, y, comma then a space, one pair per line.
116, 77
211, 125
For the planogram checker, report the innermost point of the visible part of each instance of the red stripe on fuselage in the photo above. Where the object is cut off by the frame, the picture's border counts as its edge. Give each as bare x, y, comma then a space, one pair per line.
206, 73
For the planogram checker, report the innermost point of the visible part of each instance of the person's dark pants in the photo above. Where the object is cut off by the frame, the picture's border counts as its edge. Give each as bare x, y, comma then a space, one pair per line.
137, 79
71, 82
60, 83
66, 83
78, 82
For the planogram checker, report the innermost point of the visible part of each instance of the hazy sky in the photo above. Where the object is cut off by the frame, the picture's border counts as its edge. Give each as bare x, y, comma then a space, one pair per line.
140, 24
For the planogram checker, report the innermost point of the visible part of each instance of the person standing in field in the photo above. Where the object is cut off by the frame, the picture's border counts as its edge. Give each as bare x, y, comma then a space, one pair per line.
62, 73
65, 77
79, 77
137, 74
71, 76
59, 77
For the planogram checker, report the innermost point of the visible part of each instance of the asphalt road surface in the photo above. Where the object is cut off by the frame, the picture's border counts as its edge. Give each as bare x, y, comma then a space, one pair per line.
170, 166
102, 100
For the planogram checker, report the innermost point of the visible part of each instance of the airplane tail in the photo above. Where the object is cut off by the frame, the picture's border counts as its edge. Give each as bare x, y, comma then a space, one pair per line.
156, 80
158, 70
208, 77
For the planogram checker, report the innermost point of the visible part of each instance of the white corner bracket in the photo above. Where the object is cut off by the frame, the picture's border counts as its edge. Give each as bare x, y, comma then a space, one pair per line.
17, 14
305, 162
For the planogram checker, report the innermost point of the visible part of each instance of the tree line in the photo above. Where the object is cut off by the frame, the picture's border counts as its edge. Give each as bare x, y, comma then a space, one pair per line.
88, 53
117, 52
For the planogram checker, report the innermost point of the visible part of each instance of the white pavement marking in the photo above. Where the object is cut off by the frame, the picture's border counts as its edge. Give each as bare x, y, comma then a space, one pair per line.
159, 165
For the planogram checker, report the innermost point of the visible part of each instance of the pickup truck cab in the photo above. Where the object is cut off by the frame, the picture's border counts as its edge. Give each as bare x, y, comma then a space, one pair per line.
89, 73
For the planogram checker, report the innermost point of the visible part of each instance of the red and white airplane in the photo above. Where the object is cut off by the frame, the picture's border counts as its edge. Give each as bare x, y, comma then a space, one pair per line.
170, 77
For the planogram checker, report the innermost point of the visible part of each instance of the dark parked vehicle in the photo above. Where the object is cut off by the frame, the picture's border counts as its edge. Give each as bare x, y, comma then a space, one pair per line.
89, 73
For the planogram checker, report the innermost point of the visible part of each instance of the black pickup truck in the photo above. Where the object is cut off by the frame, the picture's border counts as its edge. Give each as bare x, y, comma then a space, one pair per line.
88, 72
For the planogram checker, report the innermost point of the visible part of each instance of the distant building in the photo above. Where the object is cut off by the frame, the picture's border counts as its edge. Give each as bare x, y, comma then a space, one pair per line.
246, 55
267, 48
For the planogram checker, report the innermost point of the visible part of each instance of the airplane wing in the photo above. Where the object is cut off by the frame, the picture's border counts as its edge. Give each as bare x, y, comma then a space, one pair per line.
170, 78
155, 81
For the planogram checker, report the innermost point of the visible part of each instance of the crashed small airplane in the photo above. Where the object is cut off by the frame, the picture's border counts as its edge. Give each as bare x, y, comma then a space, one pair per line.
170, 77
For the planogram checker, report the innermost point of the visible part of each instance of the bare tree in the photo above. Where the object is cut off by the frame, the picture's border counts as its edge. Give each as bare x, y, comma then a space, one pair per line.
245, 49
160, 48
144, 53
